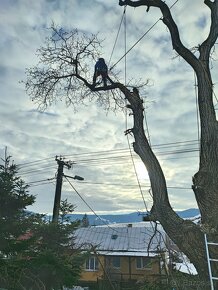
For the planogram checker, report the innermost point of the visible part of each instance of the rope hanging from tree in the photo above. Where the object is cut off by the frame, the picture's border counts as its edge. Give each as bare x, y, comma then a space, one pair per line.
152, 26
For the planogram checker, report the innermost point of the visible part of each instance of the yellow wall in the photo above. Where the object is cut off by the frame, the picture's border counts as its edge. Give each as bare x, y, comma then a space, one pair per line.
88, 275
126, 271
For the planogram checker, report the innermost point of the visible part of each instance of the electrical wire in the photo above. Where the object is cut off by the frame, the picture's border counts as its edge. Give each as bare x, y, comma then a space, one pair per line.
99, 217
42, 180
108, 160
45, 183
140, 38
26, 164
113, 151
113, 229
100, 161
85, 201
130, 185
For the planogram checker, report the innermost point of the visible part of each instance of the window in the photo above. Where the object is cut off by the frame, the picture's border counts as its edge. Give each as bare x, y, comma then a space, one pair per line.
116, 262
114, 237
92, 264
143, 263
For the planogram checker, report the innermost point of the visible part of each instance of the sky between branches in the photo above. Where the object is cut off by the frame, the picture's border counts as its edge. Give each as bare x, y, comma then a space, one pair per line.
110, 184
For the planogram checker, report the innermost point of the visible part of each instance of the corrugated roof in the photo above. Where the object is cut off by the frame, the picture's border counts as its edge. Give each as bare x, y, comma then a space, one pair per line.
122, 238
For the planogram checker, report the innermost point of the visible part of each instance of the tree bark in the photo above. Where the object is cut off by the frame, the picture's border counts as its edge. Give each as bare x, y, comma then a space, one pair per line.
187, 235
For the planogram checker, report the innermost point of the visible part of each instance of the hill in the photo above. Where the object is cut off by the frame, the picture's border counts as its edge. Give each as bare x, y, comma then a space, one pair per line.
127, 218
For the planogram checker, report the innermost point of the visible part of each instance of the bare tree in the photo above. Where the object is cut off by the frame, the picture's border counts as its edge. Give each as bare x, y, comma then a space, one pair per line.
186, 235
64, 70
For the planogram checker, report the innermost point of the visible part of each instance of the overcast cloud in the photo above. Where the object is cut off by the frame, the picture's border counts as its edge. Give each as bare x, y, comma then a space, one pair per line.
91, 138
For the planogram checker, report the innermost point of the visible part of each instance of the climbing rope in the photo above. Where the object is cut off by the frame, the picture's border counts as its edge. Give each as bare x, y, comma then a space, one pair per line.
126, 114
197, 111
154, 228
118, 32
140, 37
135, 44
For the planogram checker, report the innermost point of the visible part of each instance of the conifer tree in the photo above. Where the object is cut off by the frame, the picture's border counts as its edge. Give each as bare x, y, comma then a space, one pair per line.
34, 253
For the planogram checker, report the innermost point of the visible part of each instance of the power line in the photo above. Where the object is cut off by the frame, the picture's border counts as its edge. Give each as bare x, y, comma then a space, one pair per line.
126, 151
140, 38
35, 163
131, 185
113, 229
109, 157
38, 169
42, 180
108, 160
119, 157
187, 150
32, 183
86, 202
44, 183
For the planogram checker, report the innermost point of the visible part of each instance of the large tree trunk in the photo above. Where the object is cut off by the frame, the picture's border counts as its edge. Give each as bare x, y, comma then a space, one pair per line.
205, 181
188, 236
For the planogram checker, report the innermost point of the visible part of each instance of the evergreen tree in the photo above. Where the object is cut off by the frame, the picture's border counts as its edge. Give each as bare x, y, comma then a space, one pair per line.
14, 199
34, 253
66, 208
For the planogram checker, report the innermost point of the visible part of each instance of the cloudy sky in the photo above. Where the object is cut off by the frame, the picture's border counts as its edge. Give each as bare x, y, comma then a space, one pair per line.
91, 138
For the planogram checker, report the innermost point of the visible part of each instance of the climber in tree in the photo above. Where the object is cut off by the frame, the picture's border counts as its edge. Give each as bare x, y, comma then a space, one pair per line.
101, 69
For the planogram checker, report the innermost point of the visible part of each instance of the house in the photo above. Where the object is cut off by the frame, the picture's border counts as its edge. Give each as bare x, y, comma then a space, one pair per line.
122, 252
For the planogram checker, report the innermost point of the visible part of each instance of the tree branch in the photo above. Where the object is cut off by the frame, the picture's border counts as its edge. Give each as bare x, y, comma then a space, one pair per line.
143, 149
66, 58
206, 46
209, 3
170, 23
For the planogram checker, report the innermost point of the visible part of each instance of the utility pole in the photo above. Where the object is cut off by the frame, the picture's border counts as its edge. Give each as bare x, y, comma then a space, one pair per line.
58, 188
59, 180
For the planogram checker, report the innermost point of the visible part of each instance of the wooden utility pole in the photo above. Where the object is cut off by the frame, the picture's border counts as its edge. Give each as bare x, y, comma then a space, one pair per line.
59, 180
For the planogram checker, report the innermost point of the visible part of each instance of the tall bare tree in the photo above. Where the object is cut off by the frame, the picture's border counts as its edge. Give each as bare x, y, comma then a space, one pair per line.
188, 236
64, 71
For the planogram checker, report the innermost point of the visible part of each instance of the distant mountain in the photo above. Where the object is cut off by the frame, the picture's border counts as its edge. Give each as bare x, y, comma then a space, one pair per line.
127, 218
189, 213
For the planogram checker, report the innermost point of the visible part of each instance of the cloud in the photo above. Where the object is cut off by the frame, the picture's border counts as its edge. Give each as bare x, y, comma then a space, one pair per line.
91, 137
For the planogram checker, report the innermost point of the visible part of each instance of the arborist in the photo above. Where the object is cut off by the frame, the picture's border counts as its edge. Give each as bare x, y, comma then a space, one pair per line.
101, 69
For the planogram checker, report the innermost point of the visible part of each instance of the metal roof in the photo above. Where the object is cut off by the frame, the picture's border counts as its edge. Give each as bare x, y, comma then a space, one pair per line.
123, 238
128, 254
